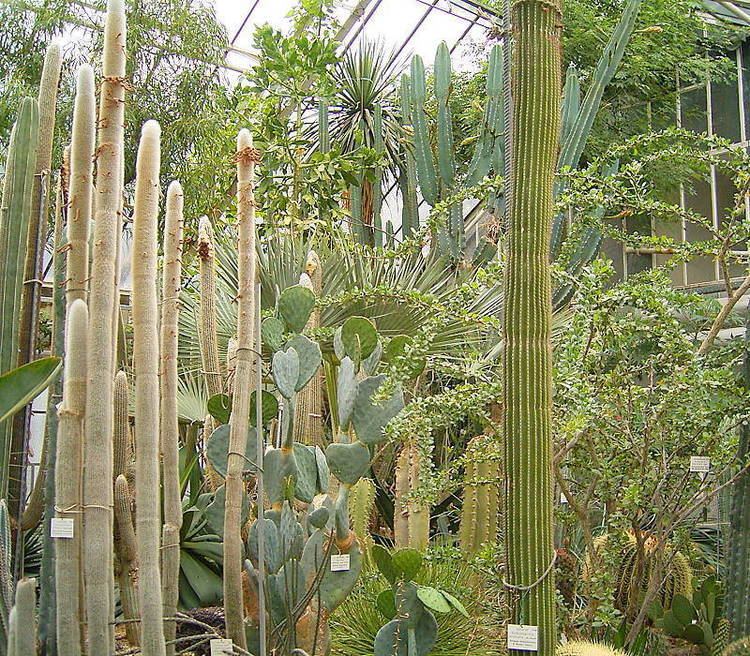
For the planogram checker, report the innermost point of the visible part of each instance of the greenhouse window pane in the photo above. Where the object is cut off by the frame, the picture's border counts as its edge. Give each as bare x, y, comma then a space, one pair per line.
725, 109
700, 269
693, 106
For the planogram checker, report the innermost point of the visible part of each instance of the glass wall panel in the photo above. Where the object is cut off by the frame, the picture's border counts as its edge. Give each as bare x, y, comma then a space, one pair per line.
725, 109
700, 269
693, 107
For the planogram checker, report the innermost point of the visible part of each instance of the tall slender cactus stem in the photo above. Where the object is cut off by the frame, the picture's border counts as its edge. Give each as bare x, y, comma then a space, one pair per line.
146, 361
98, 494
68, 485
169, 425
243, 383
81, 185
536, 81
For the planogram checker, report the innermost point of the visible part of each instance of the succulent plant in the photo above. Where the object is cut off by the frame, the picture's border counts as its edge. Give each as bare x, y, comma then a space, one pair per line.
587, 649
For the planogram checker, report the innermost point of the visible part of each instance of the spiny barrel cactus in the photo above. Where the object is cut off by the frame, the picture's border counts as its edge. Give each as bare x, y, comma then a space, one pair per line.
587, 649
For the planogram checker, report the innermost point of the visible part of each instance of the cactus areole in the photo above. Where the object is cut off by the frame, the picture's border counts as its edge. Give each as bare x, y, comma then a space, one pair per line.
536, 87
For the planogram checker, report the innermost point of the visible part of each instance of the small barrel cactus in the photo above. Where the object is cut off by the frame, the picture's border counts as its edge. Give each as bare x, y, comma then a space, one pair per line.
587, 649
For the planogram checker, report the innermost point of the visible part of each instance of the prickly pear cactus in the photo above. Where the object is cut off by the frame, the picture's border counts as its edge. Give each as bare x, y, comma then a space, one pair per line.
311, 556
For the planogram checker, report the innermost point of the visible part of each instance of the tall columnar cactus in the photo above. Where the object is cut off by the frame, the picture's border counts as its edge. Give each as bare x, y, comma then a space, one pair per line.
98, 496
37, 235
126, 548
361, 507
81, 185
70, 440
527, 367
146, 365
439, 180
14, 224
308, 411
25, 618
243, 382
124, 535
738, 565
208, 334
169, 427
408, 176
411, 521
479, 514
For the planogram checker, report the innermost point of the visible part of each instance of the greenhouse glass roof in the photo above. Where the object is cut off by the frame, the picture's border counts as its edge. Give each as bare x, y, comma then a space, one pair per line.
411, 26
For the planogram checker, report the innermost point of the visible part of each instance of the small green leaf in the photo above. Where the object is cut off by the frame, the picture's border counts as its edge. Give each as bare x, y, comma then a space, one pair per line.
455, 603
220, 408
386, 604
407, 562
433, 599
384, 563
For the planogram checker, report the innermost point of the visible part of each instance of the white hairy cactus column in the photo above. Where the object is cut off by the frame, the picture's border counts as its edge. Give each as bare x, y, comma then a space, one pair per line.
81, 185
243, 383
25, 618
527, 425
146, 365
69, 464
169, 427
98, 494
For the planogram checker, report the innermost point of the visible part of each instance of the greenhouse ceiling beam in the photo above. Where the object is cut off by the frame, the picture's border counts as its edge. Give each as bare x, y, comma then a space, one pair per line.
244, 22
737, 11
362, 25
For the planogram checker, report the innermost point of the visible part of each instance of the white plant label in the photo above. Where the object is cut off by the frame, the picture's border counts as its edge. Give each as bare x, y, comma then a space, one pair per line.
563, 498
221, 647
700, 464
523, 636
61, 527
340, 563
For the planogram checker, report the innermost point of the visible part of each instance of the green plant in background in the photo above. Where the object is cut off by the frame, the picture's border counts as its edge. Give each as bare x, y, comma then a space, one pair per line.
440, 181
412, 629
357, 621
698, 619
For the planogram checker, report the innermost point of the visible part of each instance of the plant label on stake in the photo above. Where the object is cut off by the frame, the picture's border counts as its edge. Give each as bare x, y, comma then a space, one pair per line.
523, 636
700, 464
61, 527
563, 498
340, 563
221, 647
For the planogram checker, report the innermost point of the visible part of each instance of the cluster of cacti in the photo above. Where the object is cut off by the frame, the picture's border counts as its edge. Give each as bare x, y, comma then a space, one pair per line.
634, 573
411, 519
481, 503
587, 649
696, 618
527, 366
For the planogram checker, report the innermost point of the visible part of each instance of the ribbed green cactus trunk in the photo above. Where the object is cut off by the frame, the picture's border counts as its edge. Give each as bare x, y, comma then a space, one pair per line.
536, 80
738, 565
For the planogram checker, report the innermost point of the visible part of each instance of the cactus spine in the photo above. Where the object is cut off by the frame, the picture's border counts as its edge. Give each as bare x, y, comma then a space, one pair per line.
70, 439
14, 222
308, 409
169, 425
738, 565
243, 382
146, 364
411, 518
479, 514
81, 181
98, 496
25, 618
528, 355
